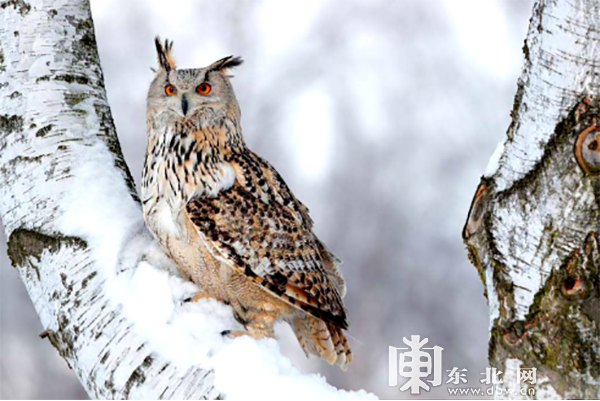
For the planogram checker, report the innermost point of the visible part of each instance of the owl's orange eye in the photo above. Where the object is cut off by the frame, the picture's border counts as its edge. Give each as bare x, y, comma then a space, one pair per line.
203, 89
170, 90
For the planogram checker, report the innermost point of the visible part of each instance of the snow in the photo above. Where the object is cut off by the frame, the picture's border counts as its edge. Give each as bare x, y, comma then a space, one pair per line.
494, 163
245, 363
144, 284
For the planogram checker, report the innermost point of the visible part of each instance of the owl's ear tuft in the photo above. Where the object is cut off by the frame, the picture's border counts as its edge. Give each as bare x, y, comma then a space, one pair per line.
165, 58
225, 64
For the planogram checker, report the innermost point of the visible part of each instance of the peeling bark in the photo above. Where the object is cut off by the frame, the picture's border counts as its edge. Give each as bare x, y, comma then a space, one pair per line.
53, 103
532, 230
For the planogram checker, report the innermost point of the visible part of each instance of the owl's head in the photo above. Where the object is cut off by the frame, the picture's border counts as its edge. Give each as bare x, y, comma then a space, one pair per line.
202, 95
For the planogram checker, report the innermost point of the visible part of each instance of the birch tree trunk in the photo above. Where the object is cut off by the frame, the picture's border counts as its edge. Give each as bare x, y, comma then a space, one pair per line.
54, 118
532, 229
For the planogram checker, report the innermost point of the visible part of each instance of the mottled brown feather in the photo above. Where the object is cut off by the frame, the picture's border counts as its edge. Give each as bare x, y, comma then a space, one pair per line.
267, 234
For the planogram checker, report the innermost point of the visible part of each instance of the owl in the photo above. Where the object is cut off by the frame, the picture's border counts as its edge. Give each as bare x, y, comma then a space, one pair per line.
228, 220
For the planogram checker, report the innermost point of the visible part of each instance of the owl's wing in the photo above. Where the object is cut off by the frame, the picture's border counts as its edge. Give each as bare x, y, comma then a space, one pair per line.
284, 196
330, 263
257, 229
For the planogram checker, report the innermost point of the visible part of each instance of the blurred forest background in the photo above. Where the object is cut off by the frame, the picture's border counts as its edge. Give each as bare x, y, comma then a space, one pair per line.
381, 116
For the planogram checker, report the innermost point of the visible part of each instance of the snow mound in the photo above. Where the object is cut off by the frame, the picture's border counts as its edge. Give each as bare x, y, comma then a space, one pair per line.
144, 284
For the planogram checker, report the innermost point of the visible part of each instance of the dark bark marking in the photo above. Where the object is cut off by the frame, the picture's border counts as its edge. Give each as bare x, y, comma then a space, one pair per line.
476, 211
43, 131
24, 244
10, 124
18, 5
138, 376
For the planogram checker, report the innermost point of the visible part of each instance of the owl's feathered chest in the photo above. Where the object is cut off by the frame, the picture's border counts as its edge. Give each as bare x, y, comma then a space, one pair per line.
178, 167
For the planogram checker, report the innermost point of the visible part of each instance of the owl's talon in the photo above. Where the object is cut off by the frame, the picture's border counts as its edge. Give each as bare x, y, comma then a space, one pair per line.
237, 333
197, 296
256, 334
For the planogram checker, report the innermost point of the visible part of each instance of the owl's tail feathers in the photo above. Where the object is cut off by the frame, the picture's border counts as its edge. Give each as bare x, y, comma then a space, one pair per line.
323, 340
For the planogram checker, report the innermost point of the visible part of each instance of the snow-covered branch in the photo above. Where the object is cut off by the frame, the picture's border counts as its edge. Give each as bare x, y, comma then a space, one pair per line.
532, 231
109, 300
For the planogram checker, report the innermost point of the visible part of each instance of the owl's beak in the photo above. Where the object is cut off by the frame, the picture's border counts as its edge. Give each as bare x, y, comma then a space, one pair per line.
184, 105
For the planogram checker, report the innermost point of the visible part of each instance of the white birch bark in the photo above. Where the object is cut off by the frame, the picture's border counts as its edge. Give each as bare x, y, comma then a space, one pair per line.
110, 301
532, 231
52, 108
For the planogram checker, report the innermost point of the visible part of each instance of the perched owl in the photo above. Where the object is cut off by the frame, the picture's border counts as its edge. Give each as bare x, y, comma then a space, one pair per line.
227, 218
